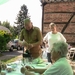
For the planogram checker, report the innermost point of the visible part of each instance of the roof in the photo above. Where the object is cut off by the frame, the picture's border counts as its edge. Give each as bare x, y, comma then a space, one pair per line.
52, 1
5, 29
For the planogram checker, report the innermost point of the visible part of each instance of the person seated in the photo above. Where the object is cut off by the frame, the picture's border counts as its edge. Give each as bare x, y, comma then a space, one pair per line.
60, 64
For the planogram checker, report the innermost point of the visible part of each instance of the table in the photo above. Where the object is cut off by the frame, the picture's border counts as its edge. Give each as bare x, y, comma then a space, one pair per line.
18, 66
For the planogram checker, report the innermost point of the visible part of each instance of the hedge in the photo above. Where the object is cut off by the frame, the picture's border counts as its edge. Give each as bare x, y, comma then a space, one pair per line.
4, 39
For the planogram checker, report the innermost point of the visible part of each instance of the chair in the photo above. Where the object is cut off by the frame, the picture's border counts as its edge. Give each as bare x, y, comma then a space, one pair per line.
71, 53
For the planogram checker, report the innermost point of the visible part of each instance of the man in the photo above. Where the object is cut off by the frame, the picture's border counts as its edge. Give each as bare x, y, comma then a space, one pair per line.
32, 37
60, 64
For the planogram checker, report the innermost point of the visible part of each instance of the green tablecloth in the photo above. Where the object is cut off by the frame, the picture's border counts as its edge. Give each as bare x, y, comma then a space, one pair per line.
18, 66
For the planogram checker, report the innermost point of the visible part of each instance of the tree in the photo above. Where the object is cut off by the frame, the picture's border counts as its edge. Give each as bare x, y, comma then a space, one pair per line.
23, 14
6, 24
12, 29
13, 32
0, 22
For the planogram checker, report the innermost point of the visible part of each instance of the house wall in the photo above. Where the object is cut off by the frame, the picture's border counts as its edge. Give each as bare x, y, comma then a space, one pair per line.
61, 13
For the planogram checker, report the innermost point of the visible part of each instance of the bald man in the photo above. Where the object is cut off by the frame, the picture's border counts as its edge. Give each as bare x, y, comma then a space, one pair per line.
32, 37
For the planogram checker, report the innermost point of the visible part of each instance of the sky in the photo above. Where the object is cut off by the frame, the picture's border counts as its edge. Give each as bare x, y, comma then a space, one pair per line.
10, 9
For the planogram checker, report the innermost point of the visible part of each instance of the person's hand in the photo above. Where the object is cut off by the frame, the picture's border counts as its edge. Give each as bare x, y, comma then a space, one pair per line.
23, 43
30, 46
23, 69
28, 68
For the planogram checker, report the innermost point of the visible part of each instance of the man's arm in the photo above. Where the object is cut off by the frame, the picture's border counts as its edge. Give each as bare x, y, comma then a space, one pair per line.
39, 36
35, 70
29, 71
38, 70
62, 37
22, 42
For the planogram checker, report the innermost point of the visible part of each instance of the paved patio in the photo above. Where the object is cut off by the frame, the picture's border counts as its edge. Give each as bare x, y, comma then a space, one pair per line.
9, 55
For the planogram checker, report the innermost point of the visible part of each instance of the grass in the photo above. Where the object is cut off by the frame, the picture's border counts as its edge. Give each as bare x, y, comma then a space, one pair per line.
11, 60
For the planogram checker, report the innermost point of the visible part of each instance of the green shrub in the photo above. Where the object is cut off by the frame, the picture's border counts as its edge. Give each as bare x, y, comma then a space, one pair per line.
4, 39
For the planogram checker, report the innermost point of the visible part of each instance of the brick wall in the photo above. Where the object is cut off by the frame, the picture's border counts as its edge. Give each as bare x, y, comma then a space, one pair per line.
57, 17
70, 28
60, 13
60, 7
